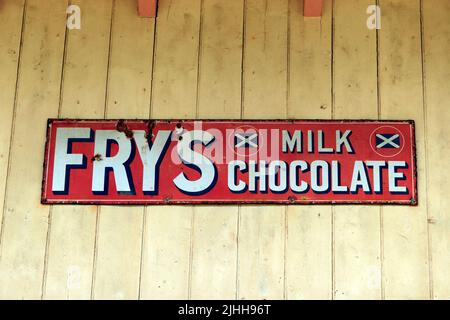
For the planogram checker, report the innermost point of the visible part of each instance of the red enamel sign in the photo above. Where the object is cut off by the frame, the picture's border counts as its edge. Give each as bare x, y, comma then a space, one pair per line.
224, 161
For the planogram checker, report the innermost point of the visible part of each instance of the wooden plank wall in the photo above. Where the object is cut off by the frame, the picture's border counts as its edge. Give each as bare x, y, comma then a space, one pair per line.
356, 230
11, 17
309, 228
214, 241
223, 59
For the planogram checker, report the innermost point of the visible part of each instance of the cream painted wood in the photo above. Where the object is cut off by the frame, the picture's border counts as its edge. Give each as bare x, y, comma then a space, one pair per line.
356, 229
86, 62
119, 238
165, 265
436, 42
214, 253
25, 222
309, 243
168, 231
262, 229
261, 252
120, 229
309, 63
265, 59
405, 231
176, 59
71, 261
220, 66
214, 239
278, 255
71, 253
11, 17
130, 65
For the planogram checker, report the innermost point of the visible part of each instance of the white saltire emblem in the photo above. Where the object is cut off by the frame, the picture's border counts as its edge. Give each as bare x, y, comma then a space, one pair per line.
246, 140
387, 141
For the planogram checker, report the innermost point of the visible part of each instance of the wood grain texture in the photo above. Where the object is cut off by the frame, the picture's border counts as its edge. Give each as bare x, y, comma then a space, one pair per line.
261, 252
309, 63
71, 253
119, 238
11, 17
308, 246
25, 221
120, 229
214, 239
265, 59
219, 80
214, 253
262, 230
176, 59
436, 43
405, 263
167, 255
130, 63
71, 261
223, 59
357, 260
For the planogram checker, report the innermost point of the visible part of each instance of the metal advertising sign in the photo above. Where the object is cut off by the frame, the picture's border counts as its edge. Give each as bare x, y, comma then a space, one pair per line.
229, 161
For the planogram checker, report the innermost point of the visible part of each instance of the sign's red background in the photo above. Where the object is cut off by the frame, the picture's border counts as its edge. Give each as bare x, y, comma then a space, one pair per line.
361, 137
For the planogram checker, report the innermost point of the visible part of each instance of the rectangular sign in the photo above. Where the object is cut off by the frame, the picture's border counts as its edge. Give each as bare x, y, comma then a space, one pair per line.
229, 161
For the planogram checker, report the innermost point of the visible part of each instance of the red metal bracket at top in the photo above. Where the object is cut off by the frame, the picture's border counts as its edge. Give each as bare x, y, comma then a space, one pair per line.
147, 8
312, 8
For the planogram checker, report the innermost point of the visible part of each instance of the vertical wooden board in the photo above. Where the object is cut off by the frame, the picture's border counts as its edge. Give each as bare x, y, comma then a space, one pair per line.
357, 266
309, 63
356, 230
261, 252
118, 253
308, 245
214, 253
221, 59
83, 96
167, 236
165, 265
265, 59
86, 62
11, 15
405, 262
355, 61
436, 15
214, 243
25, 220
120, 228
261, 241
308, 253
176, 60
130, 63
71, 251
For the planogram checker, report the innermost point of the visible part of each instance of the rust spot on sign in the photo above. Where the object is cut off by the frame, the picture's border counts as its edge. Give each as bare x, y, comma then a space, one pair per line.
122, 127
179, 131
150, 126
97, 157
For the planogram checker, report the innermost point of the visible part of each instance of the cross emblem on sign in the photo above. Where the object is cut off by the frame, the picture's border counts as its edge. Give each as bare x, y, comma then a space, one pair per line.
246, 140
388, 141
